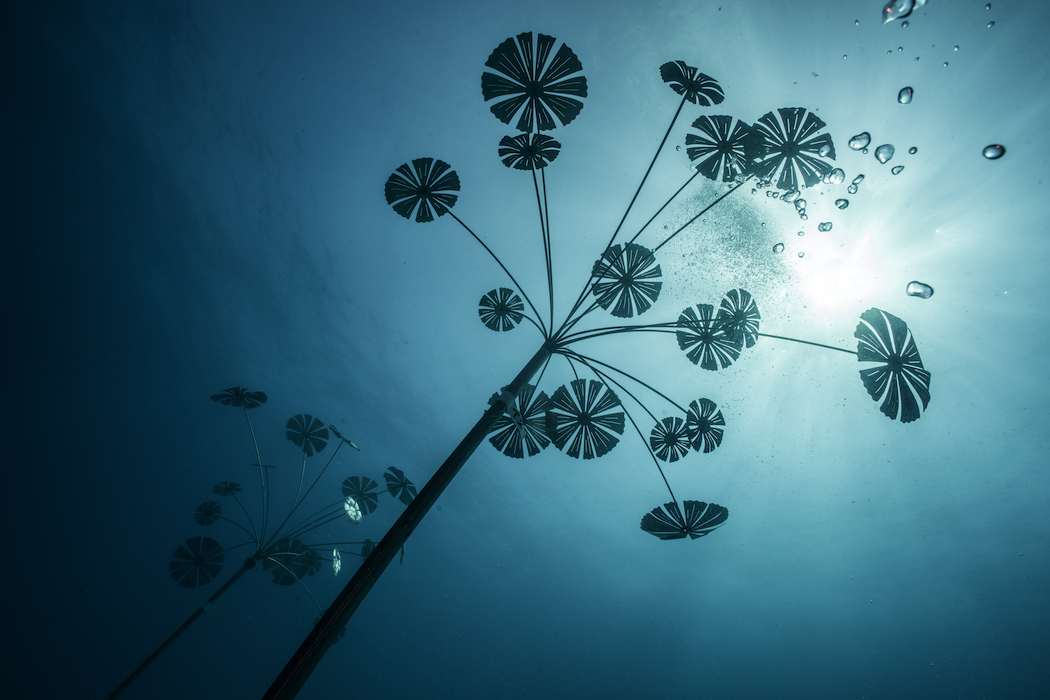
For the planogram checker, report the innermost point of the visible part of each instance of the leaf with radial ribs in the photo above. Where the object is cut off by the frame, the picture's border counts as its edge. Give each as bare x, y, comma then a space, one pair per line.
584, 418
523, 426
501, 309
226, 488
704, 424
528, 83
528, 151
362, 490
196, 562
723, 148
738, 316
700, 519
626, 280
423, 189
790, 145
899, 382
399, 485
240, 398
207, 513
694, 86
307, 432
290, 560
705, 341
669, 440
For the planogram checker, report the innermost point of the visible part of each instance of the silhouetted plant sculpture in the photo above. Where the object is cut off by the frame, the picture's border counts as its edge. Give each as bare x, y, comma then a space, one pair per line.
536, 83
283, 550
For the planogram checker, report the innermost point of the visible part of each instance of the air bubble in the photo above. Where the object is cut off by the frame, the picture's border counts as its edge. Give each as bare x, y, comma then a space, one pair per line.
860, 141
778, 248
852, 189
856, 22
791, 195
904, 24
988, 6
826, 226
837, 176
918, 289
801, 254
956, 48
944, 65
677, 148
916, 58
905, 95
900, 48
991, 24
865, 151
841, 203
897, 170
843, 55
994, 151
913, 150
859, 179
884, 152
825, 150
800, 205
802, 233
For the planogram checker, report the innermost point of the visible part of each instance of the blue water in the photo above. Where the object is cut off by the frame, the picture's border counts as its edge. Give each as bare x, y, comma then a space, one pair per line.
195, 200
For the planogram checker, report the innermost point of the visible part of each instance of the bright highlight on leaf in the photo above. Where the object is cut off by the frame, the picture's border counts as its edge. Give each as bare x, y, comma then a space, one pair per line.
337, 562
353, 512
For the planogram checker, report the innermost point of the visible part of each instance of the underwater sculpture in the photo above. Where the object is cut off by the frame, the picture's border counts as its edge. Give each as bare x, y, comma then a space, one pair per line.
537, 84
283, 552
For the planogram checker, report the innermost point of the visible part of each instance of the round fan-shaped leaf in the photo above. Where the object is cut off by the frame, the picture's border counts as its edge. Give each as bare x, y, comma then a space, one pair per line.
240, 398
704, 425
722, 150
738, 316
207, 513
501, 309
694, 86
367, 548
196, 562
528, 82
289, 560
584, 417
226, 488
423, 189
353, 511
627, 280
700, 519
399, 485
705, 341
362, 490
669, 440
524, 425
789, 143
528, 151
307, 432
899, 383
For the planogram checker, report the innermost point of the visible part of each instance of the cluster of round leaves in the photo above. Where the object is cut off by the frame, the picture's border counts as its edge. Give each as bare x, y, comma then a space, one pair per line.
701, 430
714, 341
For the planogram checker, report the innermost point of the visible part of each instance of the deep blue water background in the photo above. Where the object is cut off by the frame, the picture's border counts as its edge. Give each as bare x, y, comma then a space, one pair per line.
194, 199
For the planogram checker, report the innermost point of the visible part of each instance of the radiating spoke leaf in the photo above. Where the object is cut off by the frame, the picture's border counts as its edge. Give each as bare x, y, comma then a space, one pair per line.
196, 562
307, 432
524, 425
899, 382
583, 419
399, 485
627, 280
363, 491
705, 341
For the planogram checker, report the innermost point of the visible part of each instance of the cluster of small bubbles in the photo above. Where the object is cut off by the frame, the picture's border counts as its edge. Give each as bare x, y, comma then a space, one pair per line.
778, 248
883, 153
772, 193
852, 189
841, 203
791, 195
802, 233
991, 24
897, 170
837, 176
905, 95
800, 205
913, 150
825, 150
826, 226
860, 141
801, 254
859, 179
994, 151
918, 289
739, 179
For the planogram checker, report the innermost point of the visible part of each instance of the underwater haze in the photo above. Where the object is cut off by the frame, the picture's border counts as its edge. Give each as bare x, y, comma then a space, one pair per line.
793, 445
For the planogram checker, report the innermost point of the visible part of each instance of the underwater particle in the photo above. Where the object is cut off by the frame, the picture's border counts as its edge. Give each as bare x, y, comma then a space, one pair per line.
905, 95
800, 205
994, 151
865, 151
802, 233
859, 179
991, 24
778, 248
801, 254
904, 24
913, 150
825, 150
916, 58
841, 203
837, 176
897, 169
824, 227
918, 289
860, 141
852, 189
884, 152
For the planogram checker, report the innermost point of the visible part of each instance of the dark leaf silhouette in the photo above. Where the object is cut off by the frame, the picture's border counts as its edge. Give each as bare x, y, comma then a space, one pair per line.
696, 87
790, 148
723, 148
501, 309
399, 485
311, 563
307, 432
289, 561
738, 316
899, 382
700, 519
669, 440
207, 513
528, 151
226, 488
362, 490
367, 548
423, 189
704, 424
584, 418
705, 341
523, 426
196, 562
528, 83
627, 280
240, 398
